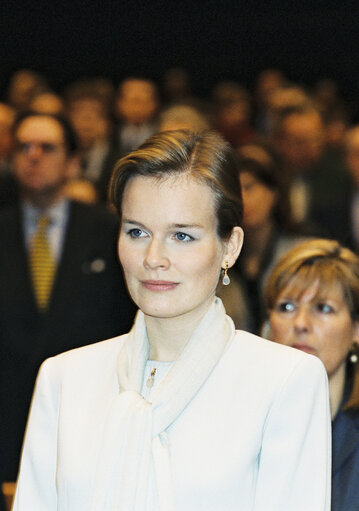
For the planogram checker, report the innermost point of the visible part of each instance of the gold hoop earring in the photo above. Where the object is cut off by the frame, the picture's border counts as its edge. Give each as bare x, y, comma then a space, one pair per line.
354, 353
226, 280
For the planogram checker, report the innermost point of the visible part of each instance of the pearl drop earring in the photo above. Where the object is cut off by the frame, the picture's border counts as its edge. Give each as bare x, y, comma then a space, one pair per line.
226, 280
354, 352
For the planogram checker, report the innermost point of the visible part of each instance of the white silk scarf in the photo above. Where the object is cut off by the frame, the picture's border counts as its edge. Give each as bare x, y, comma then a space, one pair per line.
136, 442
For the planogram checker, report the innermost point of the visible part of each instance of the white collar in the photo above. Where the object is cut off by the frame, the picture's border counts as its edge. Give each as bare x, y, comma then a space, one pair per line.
136, 442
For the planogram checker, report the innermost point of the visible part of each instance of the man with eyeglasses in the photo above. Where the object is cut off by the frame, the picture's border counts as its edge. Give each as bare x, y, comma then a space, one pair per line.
61, 283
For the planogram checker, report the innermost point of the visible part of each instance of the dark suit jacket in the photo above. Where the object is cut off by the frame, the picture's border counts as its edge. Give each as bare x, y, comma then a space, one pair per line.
8, 191
89, 303
330, 188
345, 222
345, 479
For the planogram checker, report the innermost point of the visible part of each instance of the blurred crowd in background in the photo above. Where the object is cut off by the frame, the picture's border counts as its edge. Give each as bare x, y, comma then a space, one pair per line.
298, 153
298, 163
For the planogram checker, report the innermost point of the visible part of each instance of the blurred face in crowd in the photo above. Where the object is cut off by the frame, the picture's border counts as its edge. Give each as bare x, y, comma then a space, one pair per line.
89, 121
335, 132
315, 321
22, 88
237, 113
169, 247
286, 97
7, 116
301, 140
268, 81
182, 117
137, 101
177, 84
40, 161
326, 93
352, 153
47, 103
258, 201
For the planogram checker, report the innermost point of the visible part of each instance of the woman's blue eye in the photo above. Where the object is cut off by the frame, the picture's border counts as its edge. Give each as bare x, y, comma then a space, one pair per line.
135, 233
325, 308
181, 236
286, 307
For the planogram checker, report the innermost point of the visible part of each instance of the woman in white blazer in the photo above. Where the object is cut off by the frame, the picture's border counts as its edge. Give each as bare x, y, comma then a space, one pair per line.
183, 412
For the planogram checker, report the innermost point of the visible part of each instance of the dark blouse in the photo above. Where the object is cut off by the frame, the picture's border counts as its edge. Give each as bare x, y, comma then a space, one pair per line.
345, 459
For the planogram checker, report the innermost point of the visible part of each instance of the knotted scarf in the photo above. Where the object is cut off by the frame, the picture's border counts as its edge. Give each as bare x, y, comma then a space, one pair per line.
136, 446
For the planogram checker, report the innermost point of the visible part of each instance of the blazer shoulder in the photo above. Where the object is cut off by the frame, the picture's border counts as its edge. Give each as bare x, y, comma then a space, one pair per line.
86, 359
272, 356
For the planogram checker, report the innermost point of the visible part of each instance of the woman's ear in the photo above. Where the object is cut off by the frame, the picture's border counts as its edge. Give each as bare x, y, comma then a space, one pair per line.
233, 246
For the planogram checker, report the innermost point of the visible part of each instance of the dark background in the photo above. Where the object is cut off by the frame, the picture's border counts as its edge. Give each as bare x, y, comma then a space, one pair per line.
308, 40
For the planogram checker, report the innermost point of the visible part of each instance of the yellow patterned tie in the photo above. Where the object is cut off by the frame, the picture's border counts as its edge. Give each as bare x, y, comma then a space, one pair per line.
42, 264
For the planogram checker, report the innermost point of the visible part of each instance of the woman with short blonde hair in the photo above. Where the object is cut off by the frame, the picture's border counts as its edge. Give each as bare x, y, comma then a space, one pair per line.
312, 301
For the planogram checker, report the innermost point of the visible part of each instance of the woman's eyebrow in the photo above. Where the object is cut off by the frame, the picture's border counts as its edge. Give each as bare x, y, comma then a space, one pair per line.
132, 222
185, 226
170, 226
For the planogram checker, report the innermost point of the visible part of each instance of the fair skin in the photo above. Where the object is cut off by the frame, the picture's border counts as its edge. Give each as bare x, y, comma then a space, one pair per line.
319, 325
40, 162
172, 256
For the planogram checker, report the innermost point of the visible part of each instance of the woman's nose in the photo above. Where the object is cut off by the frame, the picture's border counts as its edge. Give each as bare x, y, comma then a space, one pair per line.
155, 256
302, 321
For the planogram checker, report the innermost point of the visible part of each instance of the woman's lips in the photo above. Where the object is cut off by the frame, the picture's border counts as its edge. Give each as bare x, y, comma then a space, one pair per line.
159, 285
304, 347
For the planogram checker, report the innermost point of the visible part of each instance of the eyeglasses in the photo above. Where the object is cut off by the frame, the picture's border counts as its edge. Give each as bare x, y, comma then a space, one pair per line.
46, 147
